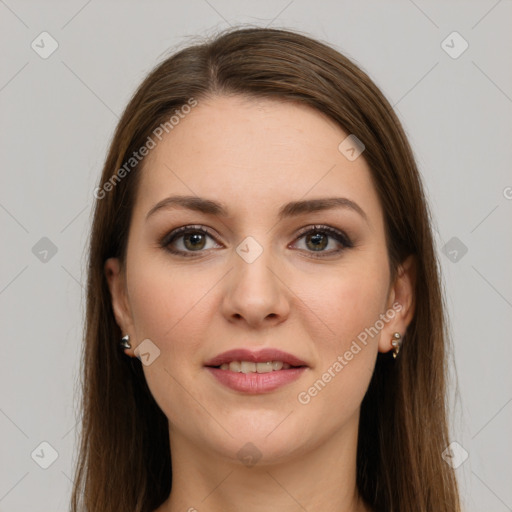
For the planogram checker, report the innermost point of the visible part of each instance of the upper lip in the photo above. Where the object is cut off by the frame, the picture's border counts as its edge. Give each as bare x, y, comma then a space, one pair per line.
256, 356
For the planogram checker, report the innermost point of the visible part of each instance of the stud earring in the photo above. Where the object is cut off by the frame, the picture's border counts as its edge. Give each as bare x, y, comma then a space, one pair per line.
125, 342
396, 341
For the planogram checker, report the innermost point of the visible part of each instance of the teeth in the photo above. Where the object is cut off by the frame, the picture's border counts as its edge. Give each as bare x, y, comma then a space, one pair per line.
235, 366
264, 367
250, 367
247, 367
277, 365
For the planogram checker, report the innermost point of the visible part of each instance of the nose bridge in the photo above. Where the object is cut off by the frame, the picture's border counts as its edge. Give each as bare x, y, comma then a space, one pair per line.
253, 261
255, 291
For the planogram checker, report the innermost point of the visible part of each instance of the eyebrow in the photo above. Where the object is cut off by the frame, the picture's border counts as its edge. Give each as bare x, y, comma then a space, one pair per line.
291, 209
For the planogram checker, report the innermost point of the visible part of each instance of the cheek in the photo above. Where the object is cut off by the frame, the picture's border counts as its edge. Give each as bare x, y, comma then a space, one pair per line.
344, 303
171, 306
363, 297
346, 353
348, 306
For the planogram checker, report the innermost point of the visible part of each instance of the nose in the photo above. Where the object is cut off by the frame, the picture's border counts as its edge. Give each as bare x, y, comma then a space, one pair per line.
255, 292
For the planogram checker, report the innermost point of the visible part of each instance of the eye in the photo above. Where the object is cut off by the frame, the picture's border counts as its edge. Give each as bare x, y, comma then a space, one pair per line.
316, 239
189, 239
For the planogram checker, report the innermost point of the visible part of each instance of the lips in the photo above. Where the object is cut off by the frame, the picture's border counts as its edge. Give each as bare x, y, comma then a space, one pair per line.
260, 356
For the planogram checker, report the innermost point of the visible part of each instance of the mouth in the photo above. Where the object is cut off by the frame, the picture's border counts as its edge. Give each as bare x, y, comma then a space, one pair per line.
252, 367
249, 361
255, 372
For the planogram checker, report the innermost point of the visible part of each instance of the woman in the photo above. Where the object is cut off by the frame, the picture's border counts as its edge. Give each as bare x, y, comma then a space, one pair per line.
265, 327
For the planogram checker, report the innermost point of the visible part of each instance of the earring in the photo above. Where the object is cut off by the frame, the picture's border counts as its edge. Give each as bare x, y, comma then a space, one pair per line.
125, 342
396, 341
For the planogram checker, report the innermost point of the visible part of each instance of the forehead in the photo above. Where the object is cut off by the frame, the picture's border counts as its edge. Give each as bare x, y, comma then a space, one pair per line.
253, 153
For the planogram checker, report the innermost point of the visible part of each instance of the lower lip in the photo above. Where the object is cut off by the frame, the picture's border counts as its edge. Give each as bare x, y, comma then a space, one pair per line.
256, 383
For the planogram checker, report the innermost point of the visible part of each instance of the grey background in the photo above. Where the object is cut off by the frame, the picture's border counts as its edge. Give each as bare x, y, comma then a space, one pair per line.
59, 113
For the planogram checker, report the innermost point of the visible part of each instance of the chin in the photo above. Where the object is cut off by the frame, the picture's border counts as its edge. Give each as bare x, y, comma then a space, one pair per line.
263, 451
270, 440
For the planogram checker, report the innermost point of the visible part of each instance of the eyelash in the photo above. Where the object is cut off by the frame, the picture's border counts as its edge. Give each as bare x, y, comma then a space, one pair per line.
339, 236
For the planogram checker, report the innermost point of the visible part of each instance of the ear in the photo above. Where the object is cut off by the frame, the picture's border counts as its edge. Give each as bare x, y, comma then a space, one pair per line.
117, 284
401, 302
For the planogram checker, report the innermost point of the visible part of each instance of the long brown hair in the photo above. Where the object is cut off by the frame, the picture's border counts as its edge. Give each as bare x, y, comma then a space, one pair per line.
124, 457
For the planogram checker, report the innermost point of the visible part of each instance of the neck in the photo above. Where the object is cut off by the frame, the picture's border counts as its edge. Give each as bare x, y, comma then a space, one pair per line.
317, 478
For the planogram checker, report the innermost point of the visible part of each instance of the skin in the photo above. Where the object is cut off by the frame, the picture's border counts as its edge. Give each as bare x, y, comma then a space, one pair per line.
254, 156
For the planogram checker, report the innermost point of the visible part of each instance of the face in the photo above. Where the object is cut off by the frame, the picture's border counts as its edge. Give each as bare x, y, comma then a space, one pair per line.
307, 281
